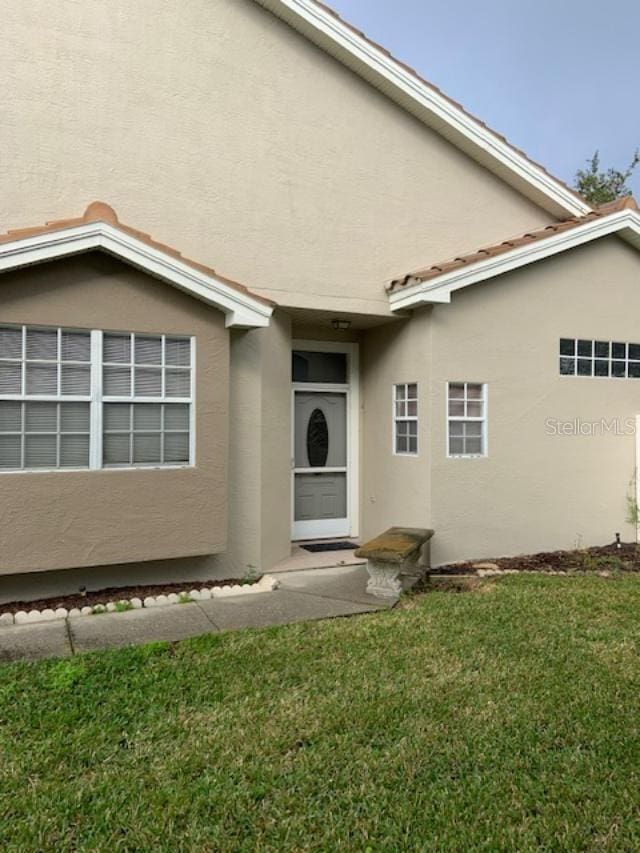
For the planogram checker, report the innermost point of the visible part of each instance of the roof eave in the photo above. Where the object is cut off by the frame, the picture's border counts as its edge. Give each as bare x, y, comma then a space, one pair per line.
434, 109
241, 309
625, 223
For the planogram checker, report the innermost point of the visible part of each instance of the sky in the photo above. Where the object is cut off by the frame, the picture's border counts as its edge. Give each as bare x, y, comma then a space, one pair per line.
558, 78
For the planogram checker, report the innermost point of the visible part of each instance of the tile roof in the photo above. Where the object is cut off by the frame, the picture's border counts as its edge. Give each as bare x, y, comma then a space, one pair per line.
99, 211
548, 231
442, 94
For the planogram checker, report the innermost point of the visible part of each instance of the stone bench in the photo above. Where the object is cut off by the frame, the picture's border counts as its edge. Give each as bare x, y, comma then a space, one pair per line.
399, 551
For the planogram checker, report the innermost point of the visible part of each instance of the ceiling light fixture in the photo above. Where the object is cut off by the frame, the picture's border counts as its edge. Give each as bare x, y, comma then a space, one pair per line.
341, 325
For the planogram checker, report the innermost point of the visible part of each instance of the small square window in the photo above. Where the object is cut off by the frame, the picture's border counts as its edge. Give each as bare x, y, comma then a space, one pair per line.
601, 367
42, 345
474, 391
585, 348
148, 350
634, 370
178, 352
116, 349
148, 382
567, 346
619, 369
585, 367
75, 346
178, 383
10, 452
10, 377
567, 366
10, 416
618, 350
601, 349
11, 342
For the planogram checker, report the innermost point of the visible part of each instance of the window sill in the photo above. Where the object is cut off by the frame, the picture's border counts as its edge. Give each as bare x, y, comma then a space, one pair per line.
467, 455
150, 467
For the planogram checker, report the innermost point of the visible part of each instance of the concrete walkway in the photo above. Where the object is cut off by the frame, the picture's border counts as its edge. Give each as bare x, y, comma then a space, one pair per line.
303, 595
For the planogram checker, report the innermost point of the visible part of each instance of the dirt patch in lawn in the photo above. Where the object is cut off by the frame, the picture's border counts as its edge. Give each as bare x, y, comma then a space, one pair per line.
450, 583
604, 559
121, 593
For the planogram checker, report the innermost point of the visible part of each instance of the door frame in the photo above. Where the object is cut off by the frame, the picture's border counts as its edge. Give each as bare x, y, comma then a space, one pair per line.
352, 389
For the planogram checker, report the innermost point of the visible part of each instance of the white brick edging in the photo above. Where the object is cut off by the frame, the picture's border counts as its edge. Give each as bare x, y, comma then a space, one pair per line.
267, 583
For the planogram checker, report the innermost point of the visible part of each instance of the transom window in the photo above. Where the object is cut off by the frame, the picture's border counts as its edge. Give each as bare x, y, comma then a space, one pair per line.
88, 399
466, 419
616, 359
405, 419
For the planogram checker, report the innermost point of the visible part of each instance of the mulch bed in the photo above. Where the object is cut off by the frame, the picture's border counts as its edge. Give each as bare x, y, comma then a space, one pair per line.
88, 599
624, 557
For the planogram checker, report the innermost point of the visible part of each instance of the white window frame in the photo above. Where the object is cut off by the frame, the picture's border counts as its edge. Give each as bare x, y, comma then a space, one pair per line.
96, 399
484, 419
397, 419
133, 398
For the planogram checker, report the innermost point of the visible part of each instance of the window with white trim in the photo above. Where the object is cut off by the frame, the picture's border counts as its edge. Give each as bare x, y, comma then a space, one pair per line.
466, 419
405, 419
615, 359
88, 399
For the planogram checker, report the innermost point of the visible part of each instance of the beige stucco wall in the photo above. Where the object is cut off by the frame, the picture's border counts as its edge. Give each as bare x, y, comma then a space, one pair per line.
535, 491
62, 519
259, 450
395, 488
220, 130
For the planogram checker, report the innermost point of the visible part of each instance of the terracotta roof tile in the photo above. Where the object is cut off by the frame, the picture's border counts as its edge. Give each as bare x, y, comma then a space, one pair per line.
99, 211
628, 203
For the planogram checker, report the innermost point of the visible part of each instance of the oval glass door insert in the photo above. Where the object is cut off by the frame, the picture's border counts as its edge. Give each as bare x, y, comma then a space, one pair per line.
317, 439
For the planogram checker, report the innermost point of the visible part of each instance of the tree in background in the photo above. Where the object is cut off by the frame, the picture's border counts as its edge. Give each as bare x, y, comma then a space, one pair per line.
599, 187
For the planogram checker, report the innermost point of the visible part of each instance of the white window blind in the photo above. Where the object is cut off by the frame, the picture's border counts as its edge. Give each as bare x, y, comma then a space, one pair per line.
146, 433
143, 366
56, 413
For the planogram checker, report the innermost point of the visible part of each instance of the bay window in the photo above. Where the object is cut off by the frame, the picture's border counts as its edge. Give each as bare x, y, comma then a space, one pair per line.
88, 399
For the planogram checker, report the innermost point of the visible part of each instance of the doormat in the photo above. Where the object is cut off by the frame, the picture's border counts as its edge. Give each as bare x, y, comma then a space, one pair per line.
329, 546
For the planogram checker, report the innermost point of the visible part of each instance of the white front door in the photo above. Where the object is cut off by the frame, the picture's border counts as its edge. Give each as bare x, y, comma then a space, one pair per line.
322, 487
320, 472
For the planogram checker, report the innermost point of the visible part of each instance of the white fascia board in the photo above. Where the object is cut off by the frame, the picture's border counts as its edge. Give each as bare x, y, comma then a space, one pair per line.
241, 310
625, 222
384, 72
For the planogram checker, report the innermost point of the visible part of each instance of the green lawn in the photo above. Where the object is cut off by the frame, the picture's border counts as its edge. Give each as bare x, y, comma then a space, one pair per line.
501, 719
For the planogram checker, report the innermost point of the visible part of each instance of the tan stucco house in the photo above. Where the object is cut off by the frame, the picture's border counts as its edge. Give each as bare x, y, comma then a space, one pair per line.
159, 420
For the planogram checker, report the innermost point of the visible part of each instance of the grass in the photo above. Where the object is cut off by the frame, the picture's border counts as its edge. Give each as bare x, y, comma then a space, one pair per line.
500, 719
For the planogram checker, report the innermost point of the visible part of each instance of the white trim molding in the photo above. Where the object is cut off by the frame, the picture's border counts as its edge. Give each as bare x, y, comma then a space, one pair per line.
427, 103
242, 310
626, 223
349, 526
